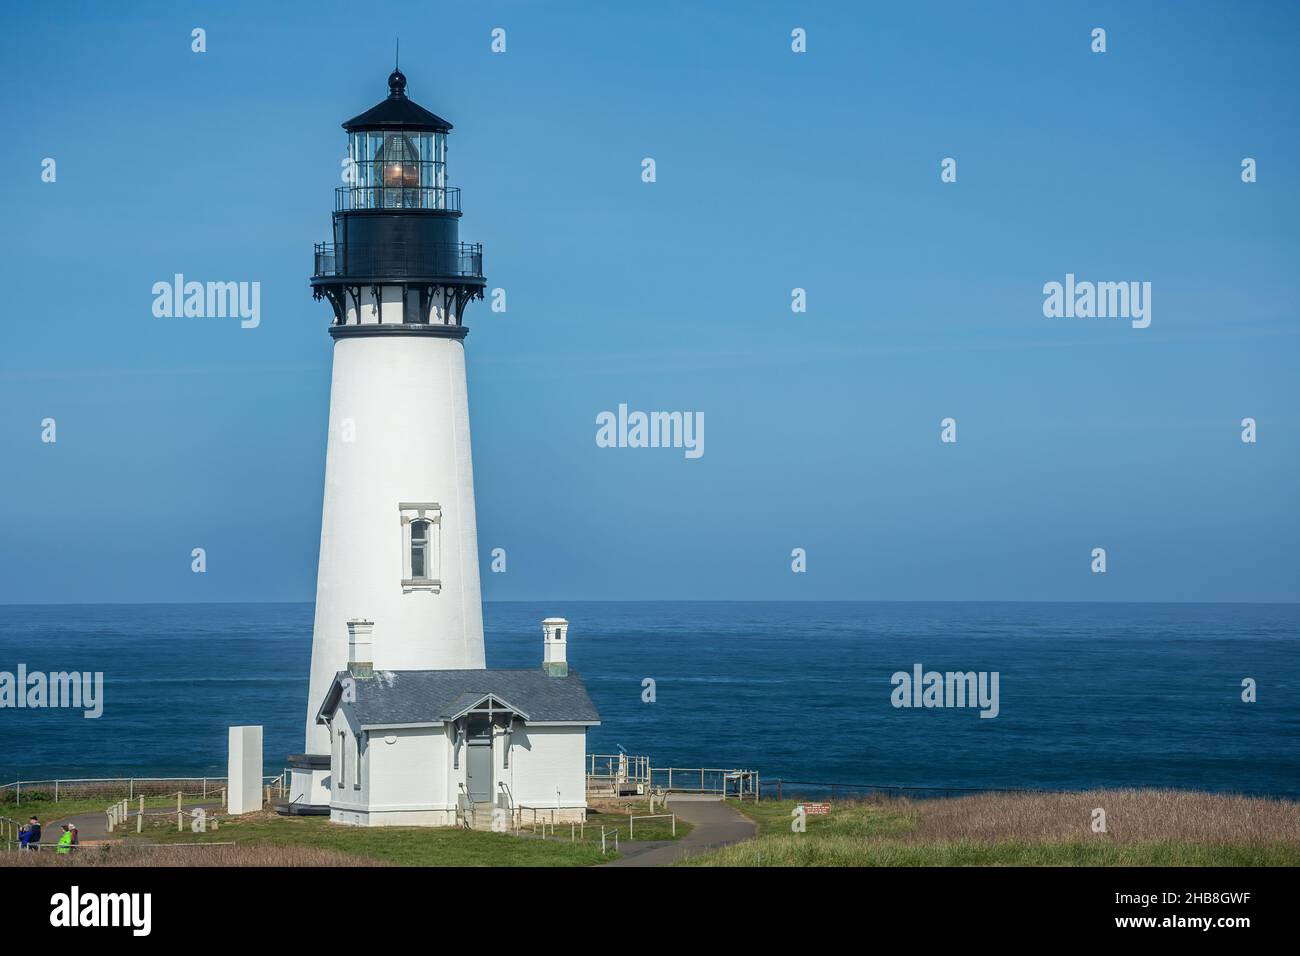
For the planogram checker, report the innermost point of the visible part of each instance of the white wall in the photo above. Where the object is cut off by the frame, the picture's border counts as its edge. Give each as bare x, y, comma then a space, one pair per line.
405, 774
406, 400
244, 770
350, 795
544, 758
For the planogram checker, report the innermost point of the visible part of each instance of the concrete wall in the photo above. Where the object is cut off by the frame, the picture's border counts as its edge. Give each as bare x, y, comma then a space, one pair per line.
244, 770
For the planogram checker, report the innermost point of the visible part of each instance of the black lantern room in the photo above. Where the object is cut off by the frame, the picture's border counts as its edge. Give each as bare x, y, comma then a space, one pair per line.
397, 265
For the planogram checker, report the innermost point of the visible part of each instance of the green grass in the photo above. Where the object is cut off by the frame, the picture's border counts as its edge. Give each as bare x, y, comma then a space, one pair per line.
886, 834
645, 831
774, 819
427, 846
399, 846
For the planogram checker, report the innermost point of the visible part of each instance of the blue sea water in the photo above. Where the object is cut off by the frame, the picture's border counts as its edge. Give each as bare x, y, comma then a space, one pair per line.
1090, 694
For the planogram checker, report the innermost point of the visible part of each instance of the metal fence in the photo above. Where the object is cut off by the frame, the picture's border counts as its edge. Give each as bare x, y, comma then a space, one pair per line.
615, 771
621, 768
460, 259
397, 196
81, 788
742, 784
782, 789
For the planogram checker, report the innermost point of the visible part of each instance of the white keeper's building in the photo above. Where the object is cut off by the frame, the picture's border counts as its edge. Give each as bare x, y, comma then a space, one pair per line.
448, 747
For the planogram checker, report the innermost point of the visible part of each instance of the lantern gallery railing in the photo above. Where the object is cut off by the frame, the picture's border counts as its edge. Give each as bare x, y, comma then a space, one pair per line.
443, 198
460, 259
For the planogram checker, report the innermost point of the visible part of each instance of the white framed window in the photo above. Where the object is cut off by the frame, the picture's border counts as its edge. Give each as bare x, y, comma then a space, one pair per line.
335, 759
343, 759
421, 546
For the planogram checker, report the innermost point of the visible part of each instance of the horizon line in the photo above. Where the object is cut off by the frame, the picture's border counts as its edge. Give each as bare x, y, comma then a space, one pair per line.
664, 601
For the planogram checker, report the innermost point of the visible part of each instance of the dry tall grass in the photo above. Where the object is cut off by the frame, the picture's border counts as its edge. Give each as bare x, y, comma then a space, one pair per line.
125, 854
1143, 828
1132, 816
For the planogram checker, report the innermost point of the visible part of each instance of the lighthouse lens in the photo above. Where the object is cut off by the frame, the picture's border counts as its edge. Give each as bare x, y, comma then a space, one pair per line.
397, 168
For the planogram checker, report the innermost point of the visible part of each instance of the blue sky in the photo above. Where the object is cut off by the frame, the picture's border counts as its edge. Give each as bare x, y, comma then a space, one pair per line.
774, 171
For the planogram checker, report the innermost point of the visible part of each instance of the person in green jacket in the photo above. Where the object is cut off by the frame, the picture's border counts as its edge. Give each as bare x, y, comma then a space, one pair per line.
65, 841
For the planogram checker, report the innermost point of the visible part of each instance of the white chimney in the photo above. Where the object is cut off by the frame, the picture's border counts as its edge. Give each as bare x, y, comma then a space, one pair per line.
555, 646
361, 660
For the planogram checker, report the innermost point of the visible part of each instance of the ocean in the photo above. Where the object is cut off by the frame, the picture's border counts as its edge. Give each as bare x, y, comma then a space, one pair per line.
1090, 695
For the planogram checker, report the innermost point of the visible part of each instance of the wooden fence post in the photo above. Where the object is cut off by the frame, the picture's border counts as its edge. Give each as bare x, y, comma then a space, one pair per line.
180, 823
139, 820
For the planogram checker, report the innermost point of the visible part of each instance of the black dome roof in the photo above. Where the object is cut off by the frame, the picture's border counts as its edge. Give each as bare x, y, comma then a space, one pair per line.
398, 112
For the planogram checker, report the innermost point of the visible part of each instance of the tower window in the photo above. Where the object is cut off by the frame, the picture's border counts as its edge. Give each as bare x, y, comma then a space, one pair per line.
419, 548
421, 534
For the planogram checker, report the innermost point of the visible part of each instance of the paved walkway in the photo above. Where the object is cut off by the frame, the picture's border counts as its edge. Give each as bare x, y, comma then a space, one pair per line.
94, 826
715, 824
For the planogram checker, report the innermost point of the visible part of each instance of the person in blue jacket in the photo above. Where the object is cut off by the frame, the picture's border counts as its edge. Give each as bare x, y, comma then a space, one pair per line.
34, 834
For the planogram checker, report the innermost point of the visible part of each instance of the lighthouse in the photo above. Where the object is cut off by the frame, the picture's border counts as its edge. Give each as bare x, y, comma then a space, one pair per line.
398, 544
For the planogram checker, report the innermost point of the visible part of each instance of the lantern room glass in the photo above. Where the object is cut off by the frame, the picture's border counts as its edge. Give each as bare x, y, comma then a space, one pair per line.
392, 169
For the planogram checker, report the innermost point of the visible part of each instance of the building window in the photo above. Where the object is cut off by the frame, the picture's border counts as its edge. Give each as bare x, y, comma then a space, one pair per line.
421, 537
343, 759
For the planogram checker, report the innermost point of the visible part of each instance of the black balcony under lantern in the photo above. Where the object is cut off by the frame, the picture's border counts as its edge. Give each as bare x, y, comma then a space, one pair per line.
396, 223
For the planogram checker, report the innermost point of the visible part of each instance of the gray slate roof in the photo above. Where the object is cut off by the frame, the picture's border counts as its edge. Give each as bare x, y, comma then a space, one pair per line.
414, 697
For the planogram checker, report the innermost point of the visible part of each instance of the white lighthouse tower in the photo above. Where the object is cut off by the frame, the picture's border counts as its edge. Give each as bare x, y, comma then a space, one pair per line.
398, 543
